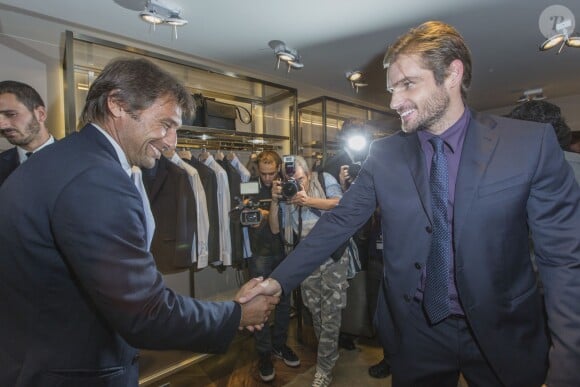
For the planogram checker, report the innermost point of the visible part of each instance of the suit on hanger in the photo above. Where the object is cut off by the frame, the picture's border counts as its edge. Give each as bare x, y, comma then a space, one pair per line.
234, 181
209, 181
174, 209
512, 175
8, 163
81, 288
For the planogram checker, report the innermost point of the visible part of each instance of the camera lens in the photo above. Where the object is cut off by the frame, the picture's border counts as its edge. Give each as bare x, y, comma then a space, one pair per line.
289, 189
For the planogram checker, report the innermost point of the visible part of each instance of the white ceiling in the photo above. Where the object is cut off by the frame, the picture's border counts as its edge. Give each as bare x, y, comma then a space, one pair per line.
334, 36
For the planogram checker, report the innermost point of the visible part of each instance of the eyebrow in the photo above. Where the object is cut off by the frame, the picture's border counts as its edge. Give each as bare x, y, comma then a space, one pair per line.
402, 80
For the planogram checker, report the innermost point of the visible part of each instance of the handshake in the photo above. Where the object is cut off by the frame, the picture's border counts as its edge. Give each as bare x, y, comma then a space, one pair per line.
257, 298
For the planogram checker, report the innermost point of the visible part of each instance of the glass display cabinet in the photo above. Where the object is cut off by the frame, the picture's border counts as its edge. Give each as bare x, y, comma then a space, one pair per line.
270, 105
320, 121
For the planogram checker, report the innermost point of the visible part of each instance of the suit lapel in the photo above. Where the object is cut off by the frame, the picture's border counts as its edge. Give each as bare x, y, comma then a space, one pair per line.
416, 163
480, 141
8, 163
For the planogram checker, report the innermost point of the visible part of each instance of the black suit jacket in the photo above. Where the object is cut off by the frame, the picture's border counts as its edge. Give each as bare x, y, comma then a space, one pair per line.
78, 289
236, 235
174, 208
8, 163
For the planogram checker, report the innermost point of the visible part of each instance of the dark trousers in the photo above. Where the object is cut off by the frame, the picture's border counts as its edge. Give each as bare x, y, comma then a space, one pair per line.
435, 355
266, 338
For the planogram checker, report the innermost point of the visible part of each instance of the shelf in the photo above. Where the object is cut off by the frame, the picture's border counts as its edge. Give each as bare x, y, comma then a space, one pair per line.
205, 137
186, 131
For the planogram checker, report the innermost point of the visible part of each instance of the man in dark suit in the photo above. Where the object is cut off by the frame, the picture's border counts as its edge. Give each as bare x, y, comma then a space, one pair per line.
506, 179
79, 288
22, 118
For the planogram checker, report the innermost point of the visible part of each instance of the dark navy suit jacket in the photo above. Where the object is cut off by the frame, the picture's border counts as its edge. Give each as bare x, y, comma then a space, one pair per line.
512, 181
8, 163
78, 289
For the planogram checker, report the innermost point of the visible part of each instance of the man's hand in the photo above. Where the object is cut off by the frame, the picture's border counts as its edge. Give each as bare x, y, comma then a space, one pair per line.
257, 300
301, 198
255, 312
276, 191
256, 287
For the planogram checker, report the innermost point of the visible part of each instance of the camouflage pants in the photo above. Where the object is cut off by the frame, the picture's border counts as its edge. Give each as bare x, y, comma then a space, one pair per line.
324, 294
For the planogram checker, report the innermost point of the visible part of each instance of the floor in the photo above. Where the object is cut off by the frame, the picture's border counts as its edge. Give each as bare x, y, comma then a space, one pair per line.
238, 367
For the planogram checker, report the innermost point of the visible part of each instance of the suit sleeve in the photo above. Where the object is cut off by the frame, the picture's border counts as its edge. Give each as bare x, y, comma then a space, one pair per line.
554, 219
332, 230
99, 225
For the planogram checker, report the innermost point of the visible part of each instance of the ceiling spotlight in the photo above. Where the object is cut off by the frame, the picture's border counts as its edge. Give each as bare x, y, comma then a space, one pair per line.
176, 20
286, 54
562, 37
532, 95
573, 41
354, 76
155, 13
356, 79
151, 16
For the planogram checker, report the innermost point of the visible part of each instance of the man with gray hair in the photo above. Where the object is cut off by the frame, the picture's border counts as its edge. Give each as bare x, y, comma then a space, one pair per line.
76, 273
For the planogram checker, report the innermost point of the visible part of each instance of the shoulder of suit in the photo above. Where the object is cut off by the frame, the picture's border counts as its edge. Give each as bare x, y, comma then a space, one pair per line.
9, 152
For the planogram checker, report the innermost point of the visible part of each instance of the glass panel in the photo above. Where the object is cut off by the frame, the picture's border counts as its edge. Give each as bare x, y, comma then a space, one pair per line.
269, 104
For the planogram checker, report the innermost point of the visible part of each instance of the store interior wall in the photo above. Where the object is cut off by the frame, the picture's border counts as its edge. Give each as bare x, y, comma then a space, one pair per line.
37, 60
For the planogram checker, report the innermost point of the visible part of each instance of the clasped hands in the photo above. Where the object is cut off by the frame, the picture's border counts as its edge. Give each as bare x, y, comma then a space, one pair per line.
257, 298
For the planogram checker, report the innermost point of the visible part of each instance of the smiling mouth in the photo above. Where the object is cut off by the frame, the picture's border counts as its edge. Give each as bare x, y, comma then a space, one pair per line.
406, 113
156, 151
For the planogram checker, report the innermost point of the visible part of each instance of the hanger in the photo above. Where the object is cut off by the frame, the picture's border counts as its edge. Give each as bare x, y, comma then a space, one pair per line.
203, 155
184, 153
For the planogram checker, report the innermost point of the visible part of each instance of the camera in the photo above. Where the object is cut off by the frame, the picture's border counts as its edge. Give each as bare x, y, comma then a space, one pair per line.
250, 214
353, 170
290, 186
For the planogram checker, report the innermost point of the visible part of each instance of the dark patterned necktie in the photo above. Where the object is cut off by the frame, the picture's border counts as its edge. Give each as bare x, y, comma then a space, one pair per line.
28, 154
436, 297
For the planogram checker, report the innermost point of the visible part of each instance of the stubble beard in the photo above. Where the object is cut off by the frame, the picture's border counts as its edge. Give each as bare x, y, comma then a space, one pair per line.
30, 133
434, 110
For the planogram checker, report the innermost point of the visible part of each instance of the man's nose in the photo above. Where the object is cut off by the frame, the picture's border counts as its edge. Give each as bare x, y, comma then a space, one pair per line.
169, 140
395, 100
4, 122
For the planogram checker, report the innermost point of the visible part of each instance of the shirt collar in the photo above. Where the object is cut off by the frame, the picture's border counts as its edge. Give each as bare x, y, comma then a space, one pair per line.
451, 136
22, 152
120, 154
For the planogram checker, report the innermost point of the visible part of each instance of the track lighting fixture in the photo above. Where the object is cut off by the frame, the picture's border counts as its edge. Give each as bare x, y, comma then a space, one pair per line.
562, 37
356, 79
532, 95
286, 54
156, 13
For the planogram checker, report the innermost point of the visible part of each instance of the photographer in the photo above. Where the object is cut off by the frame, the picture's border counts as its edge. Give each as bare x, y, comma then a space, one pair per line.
267, 253
324, 291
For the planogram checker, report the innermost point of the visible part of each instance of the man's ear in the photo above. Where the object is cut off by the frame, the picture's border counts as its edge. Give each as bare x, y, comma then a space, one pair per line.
113, 104
455, 73
40, 114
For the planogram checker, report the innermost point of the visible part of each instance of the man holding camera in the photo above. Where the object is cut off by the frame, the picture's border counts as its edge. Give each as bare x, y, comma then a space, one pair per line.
324, 291
267, 253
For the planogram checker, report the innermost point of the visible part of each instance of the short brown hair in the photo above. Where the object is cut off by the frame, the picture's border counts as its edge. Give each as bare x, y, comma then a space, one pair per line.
438, 44
136, 84
269, 157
